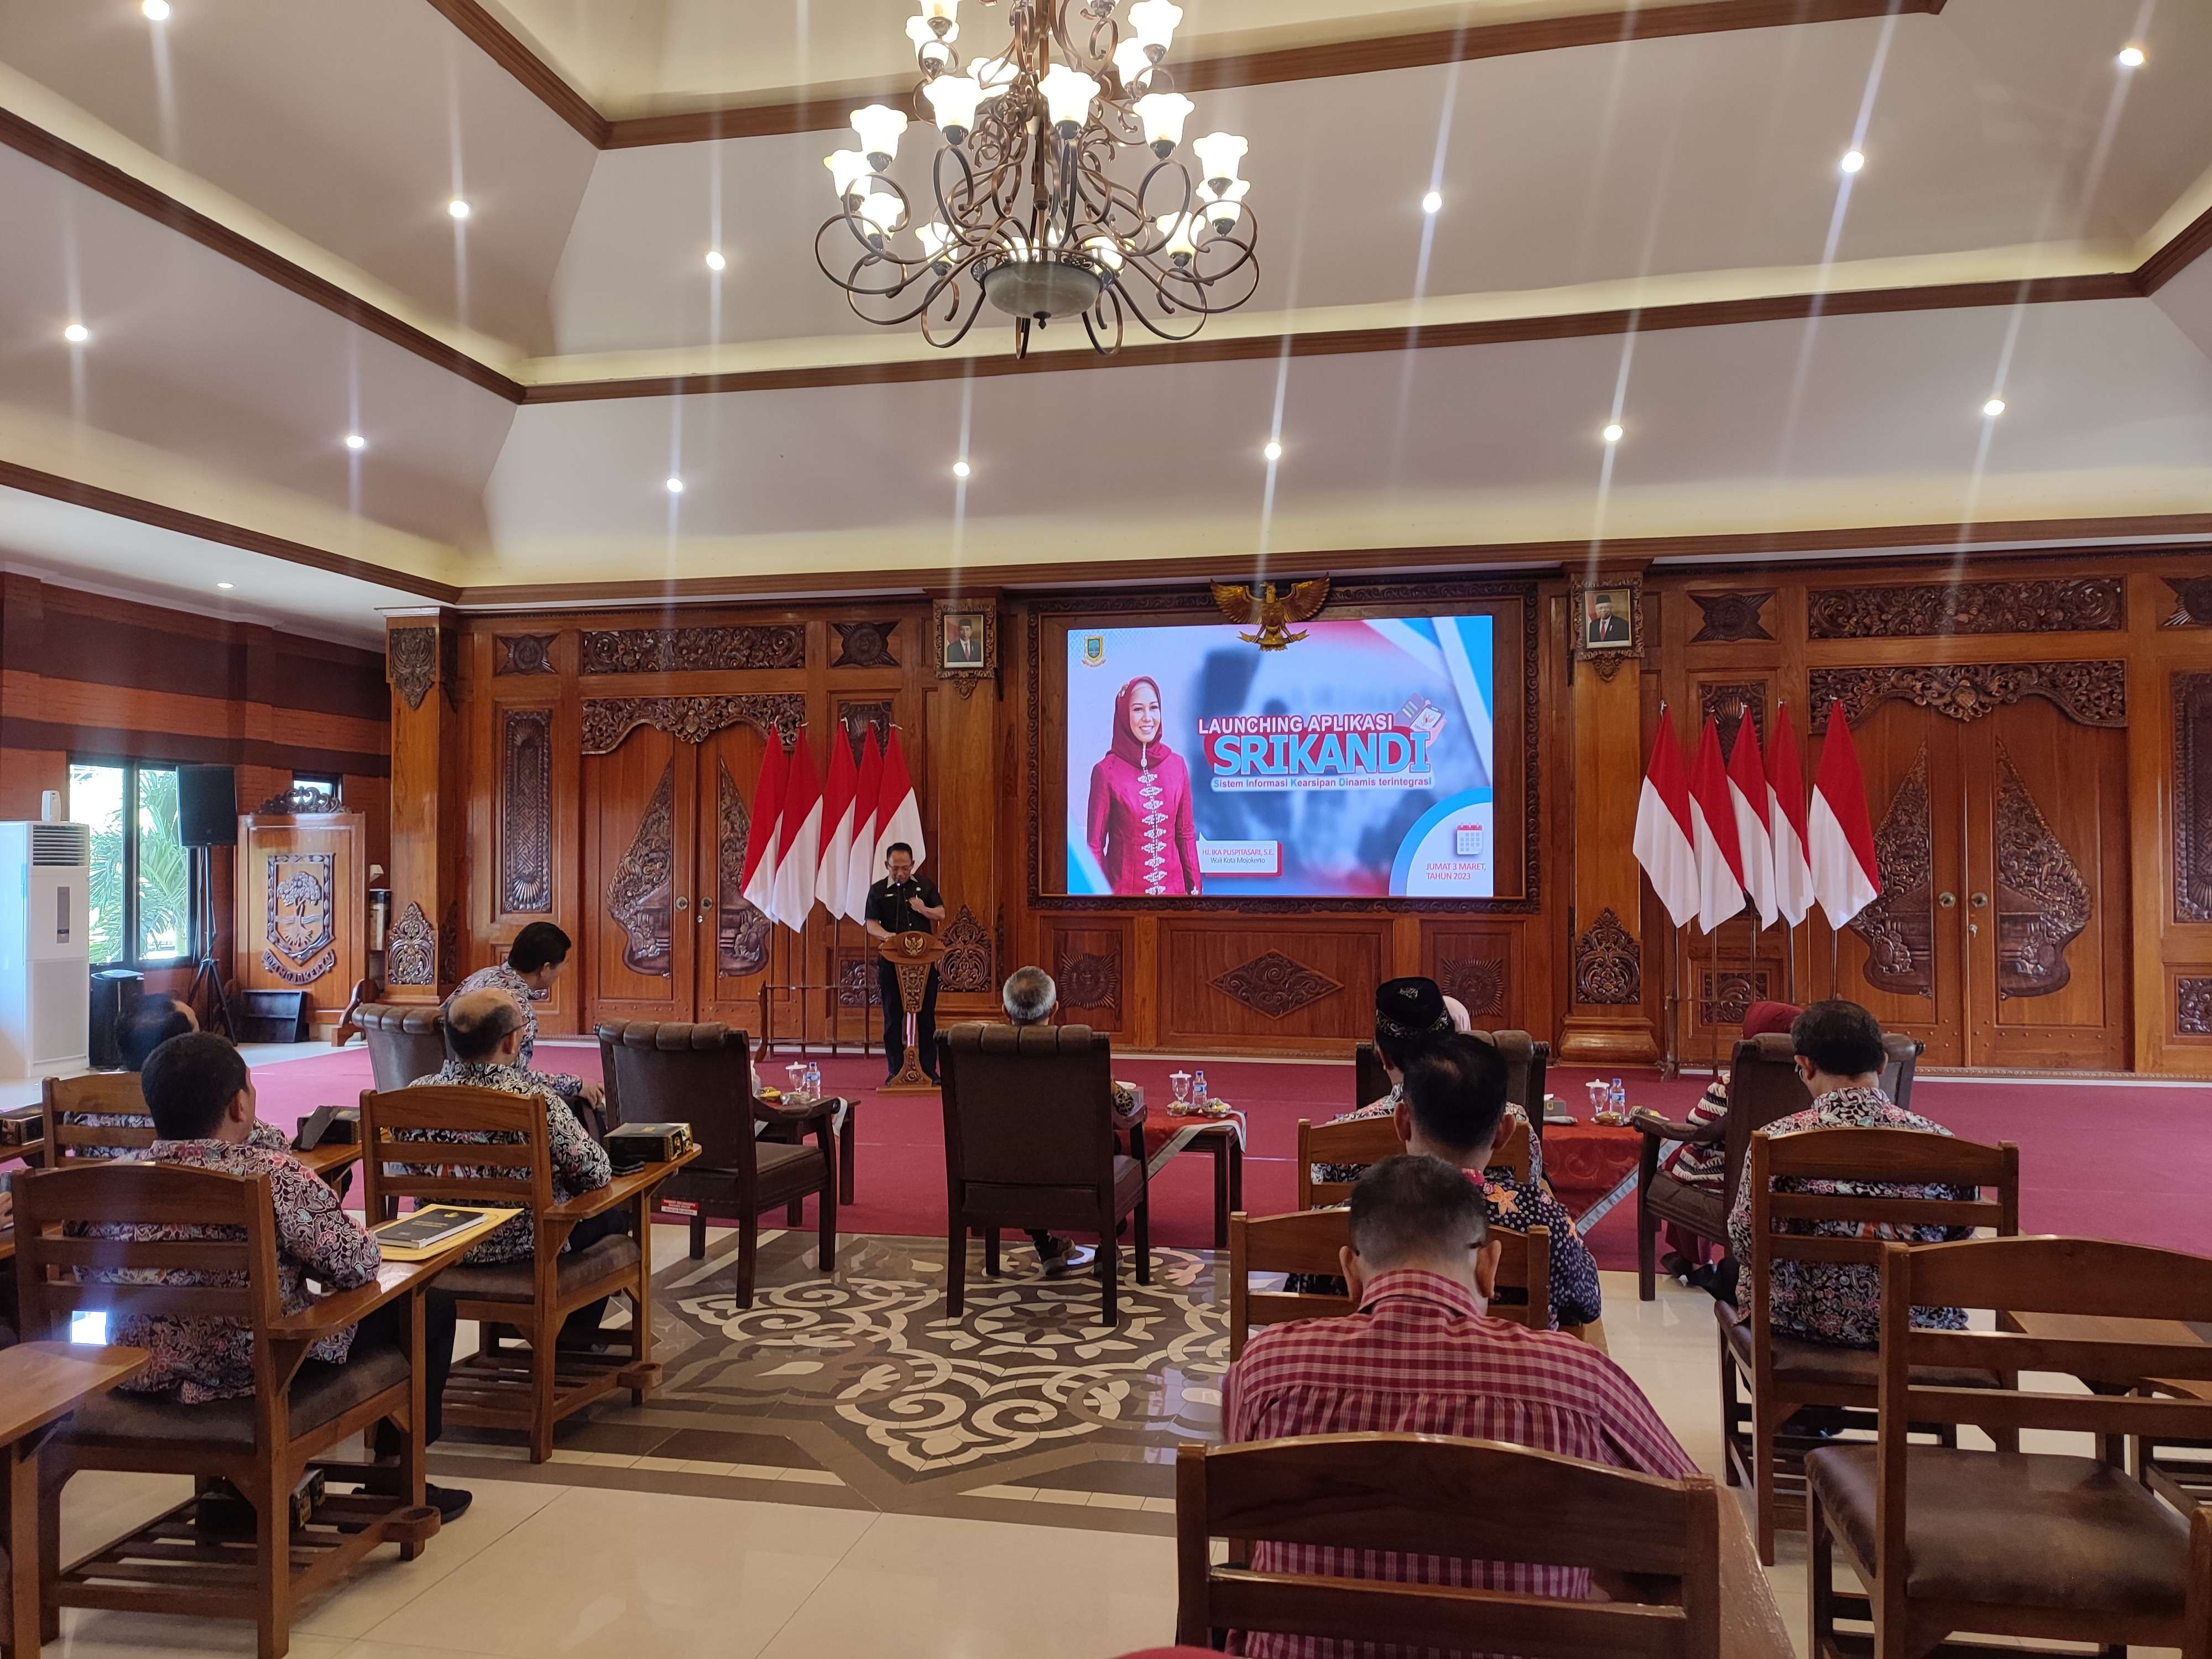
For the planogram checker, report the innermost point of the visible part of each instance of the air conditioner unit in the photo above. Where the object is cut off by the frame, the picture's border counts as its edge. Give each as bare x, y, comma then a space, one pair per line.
45, 947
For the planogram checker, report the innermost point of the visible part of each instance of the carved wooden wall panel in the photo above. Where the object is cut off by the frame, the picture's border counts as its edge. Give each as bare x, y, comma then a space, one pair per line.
522, 653
1609, 967
2042, 902
2192, 1012
741, 931
679, 650
411, 654
1726, 996
969, 954
525, 811
1900, 927
608, 721
410, 953
1727, 703
641, 898
2192, 602
2091, 693
2192, 829
1225, 983
1730, 617
1088, 964
864, 645
1475, 963
859, 719
1926, 610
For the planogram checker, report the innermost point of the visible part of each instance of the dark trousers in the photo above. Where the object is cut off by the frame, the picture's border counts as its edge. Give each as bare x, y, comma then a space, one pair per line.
925, 1028
581, 1328
387, 1328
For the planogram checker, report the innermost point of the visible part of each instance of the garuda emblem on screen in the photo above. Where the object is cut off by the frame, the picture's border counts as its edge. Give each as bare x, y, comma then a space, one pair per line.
1273, 610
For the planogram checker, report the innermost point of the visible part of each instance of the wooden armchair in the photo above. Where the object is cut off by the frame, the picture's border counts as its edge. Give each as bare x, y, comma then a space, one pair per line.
263, 1446
406, 1041
1307, 1242
533, 1386
702, 1075
114, 1094
1527, 1060
1365, 1140
2013, 1543
1471, 1500
1030, 1142
1781, 1373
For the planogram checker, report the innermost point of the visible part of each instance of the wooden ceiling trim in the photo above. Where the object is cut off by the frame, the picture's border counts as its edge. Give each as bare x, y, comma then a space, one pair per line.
110, 181
500, 44
2193, 241
54, 487
1708, 314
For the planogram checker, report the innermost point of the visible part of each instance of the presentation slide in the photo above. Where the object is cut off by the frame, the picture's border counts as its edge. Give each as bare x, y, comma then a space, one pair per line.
1355, 765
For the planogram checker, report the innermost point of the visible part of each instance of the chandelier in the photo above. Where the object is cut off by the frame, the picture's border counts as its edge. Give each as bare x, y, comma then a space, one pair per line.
1026, 209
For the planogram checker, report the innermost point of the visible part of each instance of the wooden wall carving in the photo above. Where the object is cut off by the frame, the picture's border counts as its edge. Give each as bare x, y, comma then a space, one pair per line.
675, 650
2088, 605
2192, 1013
410, 953
1732, 616
525, 811
2192, 602
859, 718
2043, 903
1900, 927
449, 943
741, 931
2091, 693
522, 653
968, 954
1726, 703
298, 935
1088, 979
2192, 797
412, 654
1725, 998
856, 980
864, 645
1275, 985
641, 896
1609, 967
1478, 982
608, 721
300, 799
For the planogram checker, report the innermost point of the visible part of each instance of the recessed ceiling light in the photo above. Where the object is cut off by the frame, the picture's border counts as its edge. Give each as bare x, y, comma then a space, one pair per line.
157, 9
961, 469
1273, 450
714, 259
2131, 58
676, 486
354, 440
1853, 160
1995, 407
77, 334
458, 208
1433, 202
1612, 434
226, 587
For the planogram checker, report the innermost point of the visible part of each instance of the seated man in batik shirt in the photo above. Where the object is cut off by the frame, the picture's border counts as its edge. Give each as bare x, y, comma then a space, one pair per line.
483, 1041
152, 1023
533, 964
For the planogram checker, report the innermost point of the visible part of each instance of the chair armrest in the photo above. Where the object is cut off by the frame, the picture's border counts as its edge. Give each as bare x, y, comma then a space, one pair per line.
1647, 1121
825, 1109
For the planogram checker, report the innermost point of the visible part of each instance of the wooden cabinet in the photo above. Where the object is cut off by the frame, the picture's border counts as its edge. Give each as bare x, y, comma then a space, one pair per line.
302, 906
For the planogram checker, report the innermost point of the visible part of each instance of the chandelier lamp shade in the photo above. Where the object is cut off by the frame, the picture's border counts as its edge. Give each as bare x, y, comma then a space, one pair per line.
1063, 185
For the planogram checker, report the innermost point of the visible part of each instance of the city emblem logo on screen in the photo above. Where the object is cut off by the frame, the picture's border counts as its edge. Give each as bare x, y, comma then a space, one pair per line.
1094, 650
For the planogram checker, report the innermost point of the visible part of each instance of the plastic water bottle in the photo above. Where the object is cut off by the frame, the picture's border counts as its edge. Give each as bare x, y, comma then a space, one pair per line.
813, 1081
1198, 1095
1618, 1098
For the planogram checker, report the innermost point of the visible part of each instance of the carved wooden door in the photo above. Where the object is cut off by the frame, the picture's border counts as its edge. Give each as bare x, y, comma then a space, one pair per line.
640, 803
734, 939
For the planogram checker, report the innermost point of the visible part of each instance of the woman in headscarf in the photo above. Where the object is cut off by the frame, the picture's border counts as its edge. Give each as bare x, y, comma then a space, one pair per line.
1139, 825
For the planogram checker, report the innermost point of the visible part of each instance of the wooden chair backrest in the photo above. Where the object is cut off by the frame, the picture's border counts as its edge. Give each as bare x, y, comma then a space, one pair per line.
2106, 1285
1307, 1242
514, 1171
1902, 1058
1365, 1140
1473, 1500
108, 1094
659, 1071
1370, 1081
1763, 1085
1027, 1105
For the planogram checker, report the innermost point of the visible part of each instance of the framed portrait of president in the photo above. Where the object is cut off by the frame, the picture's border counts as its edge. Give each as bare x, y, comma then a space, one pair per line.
1607, 618
967, 637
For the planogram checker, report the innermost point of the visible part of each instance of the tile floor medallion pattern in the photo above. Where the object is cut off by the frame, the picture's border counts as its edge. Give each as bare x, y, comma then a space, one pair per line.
854, 1390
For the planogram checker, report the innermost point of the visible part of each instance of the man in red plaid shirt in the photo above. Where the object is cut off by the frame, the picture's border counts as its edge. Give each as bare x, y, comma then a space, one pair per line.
1421, 1357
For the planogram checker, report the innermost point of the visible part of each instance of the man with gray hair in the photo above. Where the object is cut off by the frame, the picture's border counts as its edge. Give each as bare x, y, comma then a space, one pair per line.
1029, 997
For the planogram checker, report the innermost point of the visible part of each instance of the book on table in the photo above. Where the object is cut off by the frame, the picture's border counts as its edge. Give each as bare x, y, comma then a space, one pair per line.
432, 1225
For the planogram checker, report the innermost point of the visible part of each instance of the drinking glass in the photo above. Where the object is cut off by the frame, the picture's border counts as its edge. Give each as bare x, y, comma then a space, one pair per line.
1599, 1091
1182, 1082
798, 1072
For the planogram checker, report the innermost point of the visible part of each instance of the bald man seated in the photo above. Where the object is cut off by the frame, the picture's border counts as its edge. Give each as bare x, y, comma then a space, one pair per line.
483, 1041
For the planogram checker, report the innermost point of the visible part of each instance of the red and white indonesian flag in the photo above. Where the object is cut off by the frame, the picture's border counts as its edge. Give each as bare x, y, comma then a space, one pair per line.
1663, 844
836, 827
1746, 777
799, 847
1839, 833
1712, 832
860, 868
898, 816
758, 881
1785, 822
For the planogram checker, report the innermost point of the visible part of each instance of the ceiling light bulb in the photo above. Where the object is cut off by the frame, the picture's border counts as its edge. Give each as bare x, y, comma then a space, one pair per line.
1218, 153
1131, 63
1995, 407
879, 126
225, 586
1163, 114
1433, 202
935, 237
354, 440
676, 486
961, 469
2130, 56
458, 208
1068, 94
77, 334
995, 75
1224, 208
881, 213
1153, 22
1273, 450
159, 11
1613, 432
714, 259
953, 99
1853, 160
1179, 232
849, 171
932, 43
936, 12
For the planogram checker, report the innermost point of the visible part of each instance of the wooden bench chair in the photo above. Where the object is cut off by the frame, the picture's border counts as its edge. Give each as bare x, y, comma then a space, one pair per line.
301, 1408
2014, 1544
1307, 1242
1473, 1500
1365, 1140
67, 1100
1779, 1373
529, 1386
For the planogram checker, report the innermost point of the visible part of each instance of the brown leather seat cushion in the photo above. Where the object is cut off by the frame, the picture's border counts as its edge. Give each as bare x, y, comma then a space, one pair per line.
1825, 1365
320, 1393
785, 1169
1128, 1182
516, 1281
2024, 1529
1697, 1208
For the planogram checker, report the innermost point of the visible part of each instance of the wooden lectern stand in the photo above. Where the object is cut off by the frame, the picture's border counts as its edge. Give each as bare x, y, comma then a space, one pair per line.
914, 955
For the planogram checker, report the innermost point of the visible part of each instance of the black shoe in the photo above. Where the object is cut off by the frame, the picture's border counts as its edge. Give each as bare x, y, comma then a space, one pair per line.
451, 1503
1067, 1259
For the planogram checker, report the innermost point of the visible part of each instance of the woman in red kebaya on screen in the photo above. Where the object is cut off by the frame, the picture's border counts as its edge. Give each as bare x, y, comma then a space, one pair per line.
1140, 826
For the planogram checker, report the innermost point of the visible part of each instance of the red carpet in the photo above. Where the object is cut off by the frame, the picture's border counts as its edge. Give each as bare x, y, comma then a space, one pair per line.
2126, 1161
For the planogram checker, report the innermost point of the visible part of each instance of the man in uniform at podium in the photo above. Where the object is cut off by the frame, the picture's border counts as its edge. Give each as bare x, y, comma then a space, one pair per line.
903, 902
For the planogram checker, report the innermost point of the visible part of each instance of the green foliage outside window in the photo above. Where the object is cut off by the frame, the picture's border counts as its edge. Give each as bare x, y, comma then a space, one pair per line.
155, 912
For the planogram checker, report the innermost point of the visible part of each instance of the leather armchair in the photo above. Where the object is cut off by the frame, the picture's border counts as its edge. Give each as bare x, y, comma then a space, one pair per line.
406, 1041
1029, 1141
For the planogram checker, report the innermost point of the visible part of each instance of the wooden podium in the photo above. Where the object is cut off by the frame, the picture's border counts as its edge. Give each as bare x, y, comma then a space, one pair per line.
915, 955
